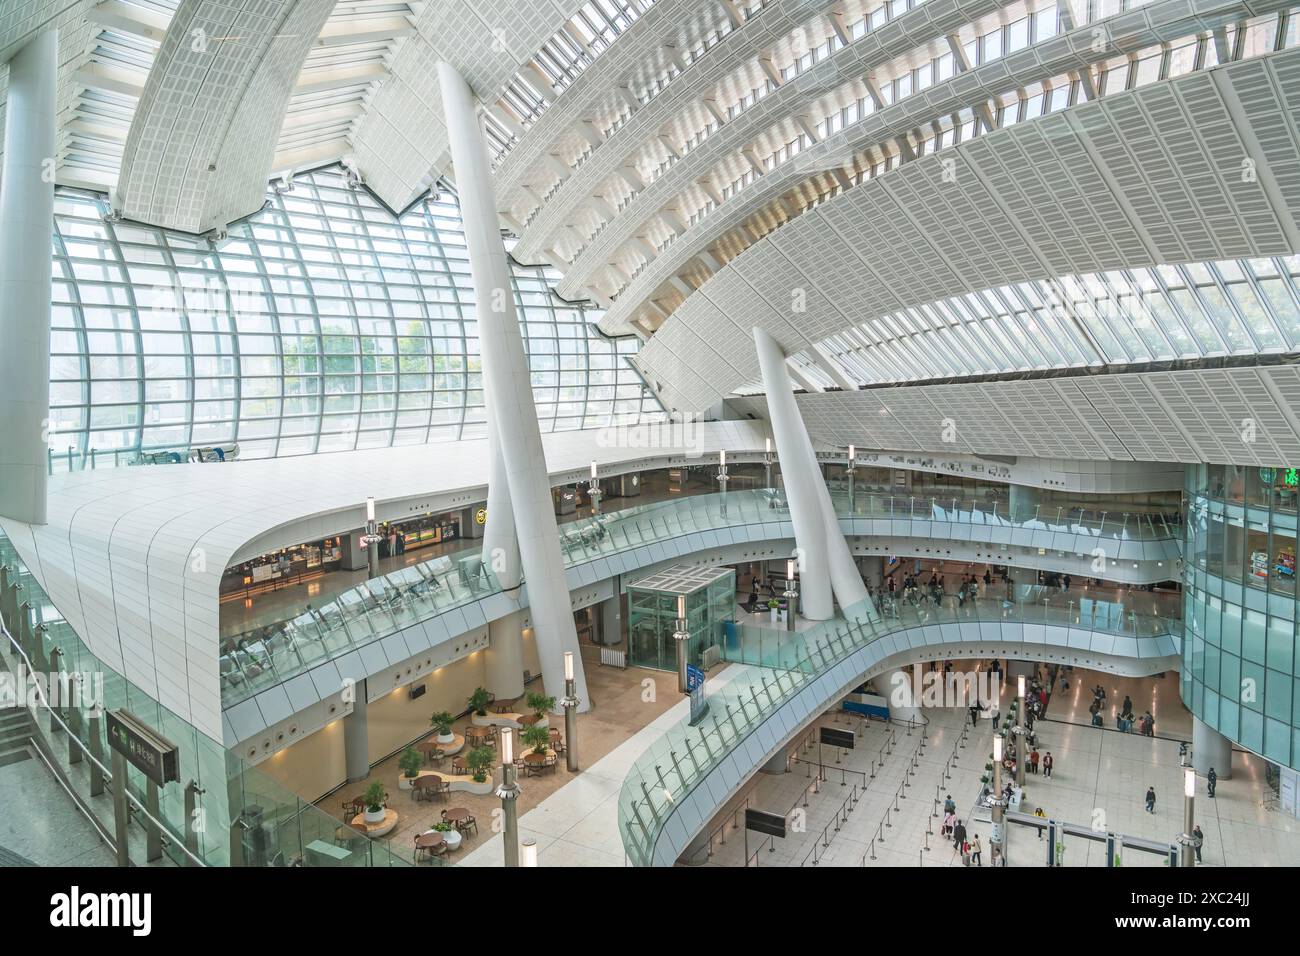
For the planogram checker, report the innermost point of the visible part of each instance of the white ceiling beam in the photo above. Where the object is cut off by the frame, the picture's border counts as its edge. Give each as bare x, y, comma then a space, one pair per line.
714, 110
840, 28
602, 206
733, 13
345, 32
321, 81
645, 247
805, 123
632, 177
542, 80
587, 130
682, 286
770, 69
959, 57
675, 55
710, 262
800, 379
873, 91
555, 165
135, 21
309, 156
99, 76
672, 220
754, 161
628, 97
668, 145
710, 190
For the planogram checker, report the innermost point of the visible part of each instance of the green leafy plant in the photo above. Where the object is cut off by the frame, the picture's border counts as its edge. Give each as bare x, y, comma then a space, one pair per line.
988, 766
773, 604
539, 704
537, 737
375, 797
443, 827
479, 700
442, 720
478, 761
410, 762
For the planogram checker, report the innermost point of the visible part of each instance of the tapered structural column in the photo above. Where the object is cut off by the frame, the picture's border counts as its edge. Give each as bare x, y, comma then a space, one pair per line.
26, 233
509, 395
801, 481
500, 543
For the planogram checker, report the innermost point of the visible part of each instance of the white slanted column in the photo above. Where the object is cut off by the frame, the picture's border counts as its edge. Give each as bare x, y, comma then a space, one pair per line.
26, 232
500, 542
801, 480
510, 394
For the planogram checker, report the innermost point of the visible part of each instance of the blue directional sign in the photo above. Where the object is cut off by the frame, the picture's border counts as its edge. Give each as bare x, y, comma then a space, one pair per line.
694, 677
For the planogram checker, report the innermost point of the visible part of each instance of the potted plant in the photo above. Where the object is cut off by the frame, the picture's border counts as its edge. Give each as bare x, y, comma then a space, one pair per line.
773, 609
540, 704
375, 797
450, 835
479, 761
410, 763
537, 737
479, 700
442, 725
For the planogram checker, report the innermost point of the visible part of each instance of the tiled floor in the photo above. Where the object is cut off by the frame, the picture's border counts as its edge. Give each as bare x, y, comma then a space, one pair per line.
625, 705
578, 824
40, 821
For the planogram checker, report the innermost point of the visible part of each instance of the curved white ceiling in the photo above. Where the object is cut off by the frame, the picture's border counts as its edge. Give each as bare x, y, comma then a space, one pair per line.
1146, 177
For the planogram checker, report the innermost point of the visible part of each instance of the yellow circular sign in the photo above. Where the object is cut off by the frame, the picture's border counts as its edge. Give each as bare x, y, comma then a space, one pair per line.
480, 516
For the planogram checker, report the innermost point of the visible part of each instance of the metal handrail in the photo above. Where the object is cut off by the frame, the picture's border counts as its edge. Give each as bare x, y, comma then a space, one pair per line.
177, 840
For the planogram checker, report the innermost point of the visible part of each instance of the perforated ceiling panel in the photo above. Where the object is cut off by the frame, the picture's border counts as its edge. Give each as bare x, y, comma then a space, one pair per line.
1136, 416
201, 146
400, 145
920, 236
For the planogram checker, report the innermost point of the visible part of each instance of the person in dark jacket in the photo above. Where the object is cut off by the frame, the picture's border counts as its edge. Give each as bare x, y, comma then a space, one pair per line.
1211, 781
1151, 800
958, 835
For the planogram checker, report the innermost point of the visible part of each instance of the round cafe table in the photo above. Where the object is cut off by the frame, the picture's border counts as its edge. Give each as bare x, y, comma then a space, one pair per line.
478, 733
456, 814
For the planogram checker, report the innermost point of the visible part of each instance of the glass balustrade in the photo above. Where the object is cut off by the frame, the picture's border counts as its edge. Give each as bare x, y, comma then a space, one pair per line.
272, 653
778, 663
237, 808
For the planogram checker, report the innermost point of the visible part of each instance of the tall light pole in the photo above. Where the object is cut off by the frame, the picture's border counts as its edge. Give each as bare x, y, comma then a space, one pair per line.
722, 478
996, 848
509, 793
570, 704
681, 637
371, 539
791, 594
767, 464
1022, 732
529, 853
593, 491
1187, 839
853, 465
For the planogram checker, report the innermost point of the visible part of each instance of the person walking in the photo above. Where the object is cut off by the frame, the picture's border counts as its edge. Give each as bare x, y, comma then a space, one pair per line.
974, 714
1200, 840
1047, 764
1065, 582
949, 821
975, 851
958, 835
1151, 800
949, 805
996, 715
1033, 761
1039, 812
1211, 781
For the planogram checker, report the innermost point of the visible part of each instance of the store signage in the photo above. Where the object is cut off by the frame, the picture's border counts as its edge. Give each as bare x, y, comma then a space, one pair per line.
836, 738
149, 752
480, 516
773, 824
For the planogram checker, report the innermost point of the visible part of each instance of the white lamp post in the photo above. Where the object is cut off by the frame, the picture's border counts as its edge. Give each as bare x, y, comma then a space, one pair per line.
593, 489
529, 856
791, 594
509, 793
570, 704
853, 465
997, 805
1187, 839
682, 637
371, 540
722, 478
1022, 732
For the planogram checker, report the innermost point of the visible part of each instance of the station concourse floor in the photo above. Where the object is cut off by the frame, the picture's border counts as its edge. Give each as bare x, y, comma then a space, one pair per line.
625, 702
1100, 777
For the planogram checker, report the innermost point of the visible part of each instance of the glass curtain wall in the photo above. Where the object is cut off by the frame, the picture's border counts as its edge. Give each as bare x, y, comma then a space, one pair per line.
322, 323
1241, 642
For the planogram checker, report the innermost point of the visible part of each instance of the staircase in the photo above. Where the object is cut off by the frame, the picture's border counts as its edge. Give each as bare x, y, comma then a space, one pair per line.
15, 734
